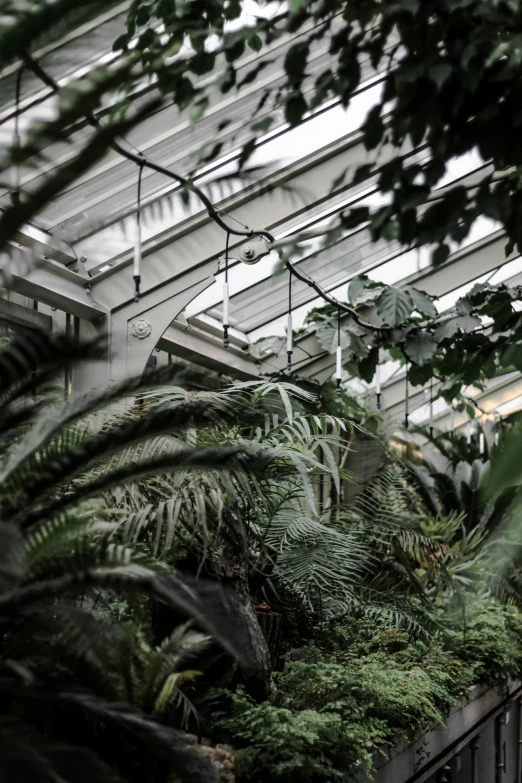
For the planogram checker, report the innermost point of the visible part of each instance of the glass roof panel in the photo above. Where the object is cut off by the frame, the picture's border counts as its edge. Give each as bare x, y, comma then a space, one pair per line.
118, 238
331, 268
171, 140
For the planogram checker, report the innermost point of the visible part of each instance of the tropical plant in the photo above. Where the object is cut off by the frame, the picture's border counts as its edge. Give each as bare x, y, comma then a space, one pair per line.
451, 478
277, 545
472, 524
185, 53
364, 687
56, 463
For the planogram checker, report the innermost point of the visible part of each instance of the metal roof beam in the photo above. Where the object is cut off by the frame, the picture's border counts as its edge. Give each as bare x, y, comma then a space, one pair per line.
357, 250
498, 391
18, 314
43, 244
267, 204
462, 267
53, 285
200, 349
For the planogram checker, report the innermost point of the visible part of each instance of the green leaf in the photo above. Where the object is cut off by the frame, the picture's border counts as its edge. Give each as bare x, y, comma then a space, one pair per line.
200, 107
298, 5
359, 347
419, 376
464, 306
506, 469
295, 62
262, 126
394, 305
362, 173
512, 356
368, 366
440, 254
327, 337
255, 42
497, 53
420, 347
202, 63
121, 43
355, 287
362, 290
295, 108
354, 217
439, 73
373, 128
463, 323
423, 302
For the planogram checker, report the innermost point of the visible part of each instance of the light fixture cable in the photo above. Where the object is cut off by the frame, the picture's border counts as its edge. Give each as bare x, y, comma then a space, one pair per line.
339, 367
137, 243
289, 328
226, 298
16, 188
407, 401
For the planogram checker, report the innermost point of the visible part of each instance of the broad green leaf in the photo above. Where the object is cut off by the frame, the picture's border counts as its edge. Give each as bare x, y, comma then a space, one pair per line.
266, 347
362, 290
468, 323
394, 305
512, 356
497, 53
419, 376
255, 42
373, 128
295, 108
355, 287
463, 323
368, 365
423, 302
420, 347
327, 337
298, 5
506, 469
359, 347
440, 254
464, 306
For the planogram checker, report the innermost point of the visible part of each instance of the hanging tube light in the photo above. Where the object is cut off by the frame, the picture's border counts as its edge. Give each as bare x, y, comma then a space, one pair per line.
339, 357
226, 299
289, 328
431, 409
407, 402
137, 242
378, 380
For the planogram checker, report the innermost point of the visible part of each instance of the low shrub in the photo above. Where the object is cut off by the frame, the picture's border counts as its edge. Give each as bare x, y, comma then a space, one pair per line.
365, 687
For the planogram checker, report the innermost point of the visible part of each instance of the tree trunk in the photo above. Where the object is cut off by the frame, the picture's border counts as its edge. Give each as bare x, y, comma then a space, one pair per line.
254, 655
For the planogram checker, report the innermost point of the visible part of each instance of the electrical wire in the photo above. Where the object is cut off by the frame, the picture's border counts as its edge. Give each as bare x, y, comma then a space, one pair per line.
289, 328
137, 245
407, 401
16, 187
226, 298
339, 361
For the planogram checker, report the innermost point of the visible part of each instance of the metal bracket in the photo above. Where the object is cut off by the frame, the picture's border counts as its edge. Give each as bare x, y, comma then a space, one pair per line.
251, 251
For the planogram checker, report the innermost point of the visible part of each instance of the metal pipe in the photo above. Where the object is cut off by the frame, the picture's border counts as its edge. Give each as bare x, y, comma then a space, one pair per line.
474, 746
500, 749
519, 744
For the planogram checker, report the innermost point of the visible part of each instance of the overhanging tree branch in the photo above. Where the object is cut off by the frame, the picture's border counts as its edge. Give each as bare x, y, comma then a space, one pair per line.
142, 161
